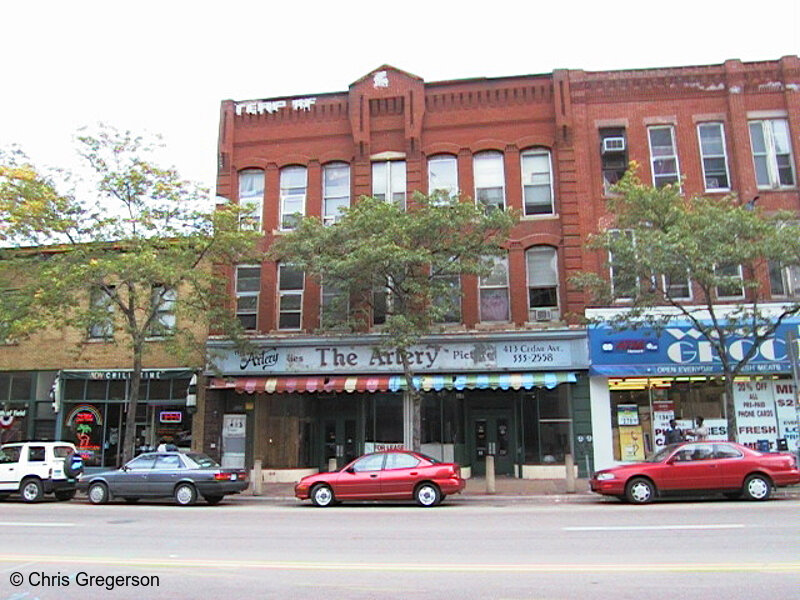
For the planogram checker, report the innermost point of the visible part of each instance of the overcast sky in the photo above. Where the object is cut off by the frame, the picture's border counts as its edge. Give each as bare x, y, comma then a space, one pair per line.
163, 67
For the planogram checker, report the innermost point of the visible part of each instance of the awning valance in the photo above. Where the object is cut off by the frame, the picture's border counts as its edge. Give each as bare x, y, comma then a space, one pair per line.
391, 383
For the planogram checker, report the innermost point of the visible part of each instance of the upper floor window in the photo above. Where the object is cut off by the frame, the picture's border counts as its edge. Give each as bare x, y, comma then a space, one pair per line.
772, 153
542, 267
389, 181
335, 305
291, 281
715, 158
248, 286
784, 281
732, 286
537, 182
623, 283
677, 288
613, 155
443, 175
490, 190
382, 303
494, 299
663, 155
449, 301
163, 302
251, 198
102, 308
335, 191
293, 196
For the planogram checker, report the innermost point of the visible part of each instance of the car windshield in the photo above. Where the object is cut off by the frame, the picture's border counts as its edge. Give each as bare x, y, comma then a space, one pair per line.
662, 454
201, 460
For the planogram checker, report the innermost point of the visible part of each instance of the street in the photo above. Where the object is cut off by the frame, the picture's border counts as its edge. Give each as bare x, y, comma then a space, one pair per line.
492, 548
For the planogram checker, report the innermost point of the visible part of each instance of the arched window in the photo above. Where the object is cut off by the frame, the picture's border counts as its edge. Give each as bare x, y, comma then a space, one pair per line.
542, 268
537, 182
251, 198
293, 195
443, 174
494, 298
335, 191
490, 179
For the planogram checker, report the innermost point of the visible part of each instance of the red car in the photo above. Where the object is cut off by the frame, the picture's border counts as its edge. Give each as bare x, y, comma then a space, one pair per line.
691, 467
390, 475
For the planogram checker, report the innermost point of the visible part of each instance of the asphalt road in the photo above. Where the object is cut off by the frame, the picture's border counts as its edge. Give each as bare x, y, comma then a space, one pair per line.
486, 549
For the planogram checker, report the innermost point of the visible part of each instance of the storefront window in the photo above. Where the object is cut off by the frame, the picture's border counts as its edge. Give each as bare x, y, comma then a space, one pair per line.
547, 425
384, 422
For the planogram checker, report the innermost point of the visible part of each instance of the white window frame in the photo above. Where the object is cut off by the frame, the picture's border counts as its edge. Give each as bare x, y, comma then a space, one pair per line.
481, 182
290, 293
483, 285
395, 177
451, 188
770, 153
664, 157
711, 156
789, 280
741, 285
533, 284
289, 193
100, 300
531, 152
666, 283
330, 216
248, 294
164, 301
251, 194
454, 281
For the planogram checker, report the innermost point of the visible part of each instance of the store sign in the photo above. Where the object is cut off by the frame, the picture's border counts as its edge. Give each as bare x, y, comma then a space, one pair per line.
7, 416
531, 355
765, 411
170, 416
680, 349
272, 106
663, 413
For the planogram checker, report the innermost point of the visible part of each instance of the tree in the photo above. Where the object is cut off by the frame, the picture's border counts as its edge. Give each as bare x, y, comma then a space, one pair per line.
134, 265
661, 242
404, 264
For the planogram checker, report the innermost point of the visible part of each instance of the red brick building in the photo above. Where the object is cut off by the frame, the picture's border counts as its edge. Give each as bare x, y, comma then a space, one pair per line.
547, 145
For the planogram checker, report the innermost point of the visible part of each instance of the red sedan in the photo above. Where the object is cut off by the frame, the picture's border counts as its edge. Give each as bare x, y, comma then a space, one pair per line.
692, 467
390, 475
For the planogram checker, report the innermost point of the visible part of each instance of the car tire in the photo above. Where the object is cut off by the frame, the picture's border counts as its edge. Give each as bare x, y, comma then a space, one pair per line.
213, 500
757, 487
427, 494
640, 491
98, 493
64, 495
70, 470
31, 490
322, 495
185, 494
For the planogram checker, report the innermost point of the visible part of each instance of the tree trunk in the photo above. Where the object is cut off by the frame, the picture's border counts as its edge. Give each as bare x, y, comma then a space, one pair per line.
730, 408
412, 393
128, 447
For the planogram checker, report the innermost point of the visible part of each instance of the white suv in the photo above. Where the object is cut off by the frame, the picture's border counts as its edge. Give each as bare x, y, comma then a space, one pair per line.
37, 468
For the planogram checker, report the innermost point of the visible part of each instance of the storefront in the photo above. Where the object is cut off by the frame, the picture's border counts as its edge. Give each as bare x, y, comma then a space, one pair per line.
26, 410
310, 404
93, 411
642, 378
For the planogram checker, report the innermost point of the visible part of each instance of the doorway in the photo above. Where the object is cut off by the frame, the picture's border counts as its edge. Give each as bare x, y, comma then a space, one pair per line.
491, 432
339, 440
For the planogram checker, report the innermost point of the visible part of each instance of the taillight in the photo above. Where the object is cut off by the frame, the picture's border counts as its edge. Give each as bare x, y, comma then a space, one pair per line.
222, 476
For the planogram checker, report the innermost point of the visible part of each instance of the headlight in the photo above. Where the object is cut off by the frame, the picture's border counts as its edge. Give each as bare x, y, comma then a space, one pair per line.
604, 476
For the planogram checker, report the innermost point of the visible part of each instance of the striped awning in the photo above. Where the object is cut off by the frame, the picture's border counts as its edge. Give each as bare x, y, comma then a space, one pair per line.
392, 383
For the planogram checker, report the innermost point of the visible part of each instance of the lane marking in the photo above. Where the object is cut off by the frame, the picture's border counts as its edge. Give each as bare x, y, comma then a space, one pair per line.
208, 564
34, 524
655, 527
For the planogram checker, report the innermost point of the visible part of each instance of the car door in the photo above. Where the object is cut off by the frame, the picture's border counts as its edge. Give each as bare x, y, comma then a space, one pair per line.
400, 474
166, 472
131, 480
362, 479
9, 468
693, 467
732, 465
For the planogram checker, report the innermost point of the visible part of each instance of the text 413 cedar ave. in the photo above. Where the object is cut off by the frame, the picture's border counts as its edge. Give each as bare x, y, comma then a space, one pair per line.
531, 353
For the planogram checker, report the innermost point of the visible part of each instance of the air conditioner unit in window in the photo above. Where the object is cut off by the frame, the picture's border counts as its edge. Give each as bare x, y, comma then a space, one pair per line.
544, 314
613, 144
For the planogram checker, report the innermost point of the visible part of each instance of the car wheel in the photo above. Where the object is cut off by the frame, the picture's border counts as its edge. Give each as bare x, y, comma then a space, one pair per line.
322, 495
427, 494
757, 487
98, 493
212, 500
640, 491
64, 495
72, 470
31, 490
185, 494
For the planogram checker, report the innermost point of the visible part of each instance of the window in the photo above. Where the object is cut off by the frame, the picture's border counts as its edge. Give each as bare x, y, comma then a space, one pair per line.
248, 286
335, 191
715, 159
36, 454
731, 286
251, 197
163, 302
168, 461
290, 301
772, 153
490, 179
293, 196
613, 155
623, 284
399, 460
537, 182
784, 281
142, 463
10, 454
381, 305
373, 462
335, 305
663, 155
542, 266
102, 313
494, 292
389, 181
443, 175
448, 301
677, 288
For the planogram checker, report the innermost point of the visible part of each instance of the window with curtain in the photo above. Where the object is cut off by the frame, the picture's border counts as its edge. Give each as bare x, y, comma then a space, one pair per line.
490, 179
102, 326
772, 153
714, 157
163, 301
537, 182
251, 198
335, 191
542, 267
293, 195
494, 299
663, 155
443, 174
